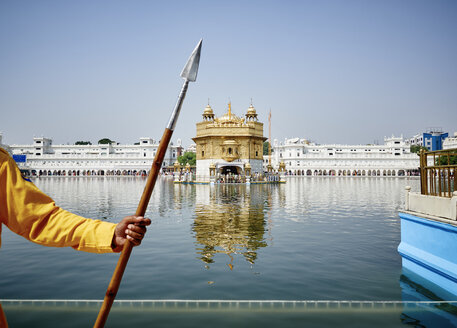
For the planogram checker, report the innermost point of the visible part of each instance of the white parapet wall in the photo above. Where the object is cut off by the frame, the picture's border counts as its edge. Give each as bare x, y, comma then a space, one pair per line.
441, 207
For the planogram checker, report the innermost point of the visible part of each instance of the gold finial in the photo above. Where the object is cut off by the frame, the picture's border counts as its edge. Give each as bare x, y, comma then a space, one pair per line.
230, 109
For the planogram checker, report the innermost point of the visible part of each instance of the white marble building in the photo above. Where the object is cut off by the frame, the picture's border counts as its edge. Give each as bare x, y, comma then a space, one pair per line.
450, 142
44, 158
302, 157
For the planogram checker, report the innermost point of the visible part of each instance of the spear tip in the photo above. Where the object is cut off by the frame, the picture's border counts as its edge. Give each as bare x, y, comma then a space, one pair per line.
190, 71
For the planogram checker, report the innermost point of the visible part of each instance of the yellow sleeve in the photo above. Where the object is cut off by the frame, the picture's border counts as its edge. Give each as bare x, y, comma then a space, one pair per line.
27, 211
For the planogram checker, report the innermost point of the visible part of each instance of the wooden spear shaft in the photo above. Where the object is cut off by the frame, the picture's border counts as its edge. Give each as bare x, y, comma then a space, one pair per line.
127, 250
189, 74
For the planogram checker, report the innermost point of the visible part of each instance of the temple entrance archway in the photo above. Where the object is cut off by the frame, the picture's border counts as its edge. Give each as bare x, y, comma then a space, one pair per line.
230, 170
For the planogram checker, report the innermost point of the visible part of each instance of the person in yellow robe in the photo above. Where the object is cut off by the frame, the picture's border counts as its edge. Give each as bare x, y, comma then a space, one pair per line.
27, 211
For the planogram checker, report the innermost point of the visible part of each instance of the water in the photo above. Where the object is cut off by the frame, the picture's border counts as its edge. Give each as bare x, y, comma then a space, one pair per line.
331, 239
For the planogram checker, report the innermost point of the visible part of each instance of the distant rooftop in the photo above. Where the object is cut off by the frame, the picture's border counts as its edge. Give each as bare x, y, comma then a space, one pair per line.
435, 130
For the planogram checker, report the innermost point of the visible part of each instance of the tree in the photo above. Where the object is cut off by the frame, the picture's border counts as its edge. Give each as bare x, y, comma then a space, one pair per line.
83, 143
188, 157
445, 160
265, 148
417, 148
105, 141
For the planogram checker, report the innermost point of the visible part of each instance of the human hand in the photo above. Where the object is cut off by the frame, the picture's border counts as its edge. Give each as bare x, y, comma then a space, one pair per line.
131, 228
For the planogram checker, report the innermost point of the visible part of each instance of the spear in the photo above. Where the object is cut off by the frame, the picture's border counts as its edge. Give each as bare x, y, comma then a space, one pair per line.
189, 74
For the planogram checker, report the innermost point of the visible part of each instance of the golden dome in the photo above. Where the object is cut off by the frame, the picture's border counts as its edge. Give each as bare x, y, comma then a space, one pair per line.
251, 110
208, 110
230, 143
229, 117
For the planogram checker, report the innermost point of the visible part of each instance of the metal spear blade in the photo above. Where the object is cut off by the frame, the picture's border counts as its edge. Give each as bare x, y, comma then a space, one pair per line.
189, 74
190, 71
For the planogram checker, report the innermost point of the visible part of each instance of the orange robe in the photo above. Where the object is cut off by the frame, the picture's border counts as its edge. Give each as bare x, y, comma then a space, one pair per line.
27, 211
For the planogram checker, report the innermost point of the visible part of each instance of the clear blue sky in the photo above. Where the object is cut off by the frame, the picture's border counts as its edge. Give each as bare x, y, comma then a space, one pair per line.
346, 72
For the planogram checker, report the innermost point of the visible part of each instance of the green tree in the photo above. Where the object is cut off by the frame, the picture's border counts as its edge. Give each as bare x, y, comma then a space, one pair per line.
265, 148
105, 141
83, 143
188, 157
444, 160
417, 148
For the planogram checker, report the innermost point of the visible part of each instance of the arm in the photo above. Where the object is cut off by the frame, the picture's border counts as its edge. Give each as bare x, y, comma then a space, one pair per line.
27, 211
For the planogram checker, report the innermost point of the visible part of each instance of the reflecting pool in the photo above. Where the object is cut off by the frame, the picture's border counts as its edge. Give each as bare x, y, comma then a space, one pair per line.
323, 249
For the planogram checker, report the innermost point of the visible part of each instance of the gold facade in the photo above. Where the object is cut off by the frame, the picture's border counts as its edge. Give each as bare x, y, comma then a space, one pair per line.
229, 137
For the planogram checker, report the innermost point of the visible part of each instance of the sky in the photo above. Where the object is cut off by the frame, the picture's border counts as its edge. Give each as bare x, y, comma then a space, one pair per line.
333, 72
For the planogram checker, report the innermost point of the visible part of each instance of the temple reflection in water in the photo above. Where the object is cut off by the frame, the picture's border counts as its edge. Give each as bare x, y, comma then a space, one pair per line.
230, 219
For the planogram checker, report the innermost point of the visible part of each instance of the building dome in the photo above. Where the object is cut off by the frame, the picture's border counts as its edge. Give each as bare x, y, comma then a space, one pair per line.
208, 110
251, 110
208, 114
251, 114
230, 143
229, 117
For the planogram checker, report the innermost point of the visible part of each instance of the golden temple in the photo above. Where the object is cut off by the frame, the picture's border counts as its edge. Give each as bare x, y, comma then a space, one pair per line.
229, 145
